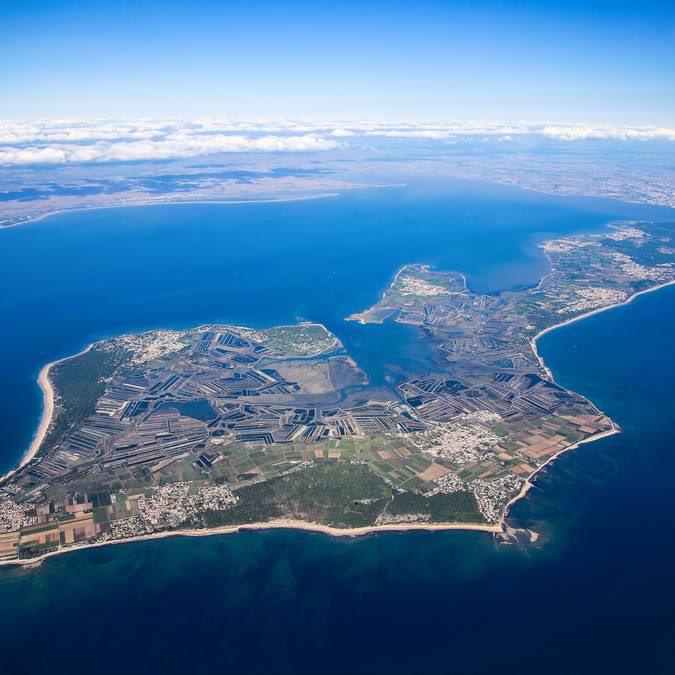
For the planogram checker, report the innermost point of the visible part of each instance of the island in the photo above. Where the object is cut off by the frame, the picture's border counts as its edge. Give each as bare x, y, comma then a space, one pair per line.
220, 428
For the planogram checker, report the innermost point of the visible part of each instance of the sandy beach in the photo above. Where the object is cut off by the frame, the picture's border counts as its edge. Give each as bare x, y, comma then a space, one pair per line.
496, 528
280, 524
45, 420
48, 397
627, 301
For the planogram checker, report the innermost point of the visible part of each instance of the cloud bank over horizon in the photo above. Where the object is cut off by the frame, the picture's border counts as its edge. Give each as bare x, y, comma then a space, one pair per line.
82, 141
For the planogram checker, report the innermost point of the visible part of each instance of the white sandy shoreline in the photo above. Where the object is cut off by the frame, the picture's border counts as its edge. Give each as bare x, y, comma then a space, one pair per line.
47, 412
627, 301
495, 528
280, 524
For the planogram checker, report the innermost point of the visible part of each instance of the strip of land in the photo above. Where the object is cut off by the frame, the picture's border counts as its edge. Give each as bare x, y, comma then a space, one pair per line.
170, 200
272, 525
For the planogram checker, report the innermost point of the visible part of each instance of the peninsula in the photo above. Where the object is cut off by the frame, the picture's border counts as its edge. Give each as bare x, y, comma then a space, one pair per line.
220, 427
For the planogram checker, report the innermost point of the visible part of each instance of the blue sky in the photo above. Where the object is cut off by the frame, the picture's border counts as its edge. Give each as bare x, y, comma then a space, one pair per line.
596, 62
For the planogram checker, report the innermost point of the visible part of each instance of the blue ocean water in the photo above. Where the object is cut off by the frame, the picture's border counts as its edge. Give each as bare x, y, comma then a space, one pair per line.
594, 595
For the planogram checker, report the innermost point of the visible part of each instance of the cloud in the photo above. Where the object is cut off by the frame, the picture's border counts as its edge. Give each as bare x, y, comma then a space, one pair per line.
173, 146
561, 132
75, 141
434, 134
583, 132
78, 131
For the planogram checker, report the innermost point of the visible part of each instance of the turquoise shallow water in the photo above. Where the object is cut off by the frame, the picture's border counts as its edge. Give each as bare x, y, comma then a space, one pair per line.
595, 595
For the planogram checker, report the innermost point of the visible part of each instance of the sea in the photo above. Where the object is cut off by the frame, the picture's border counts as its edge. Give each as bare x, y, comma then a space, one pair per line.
595, 592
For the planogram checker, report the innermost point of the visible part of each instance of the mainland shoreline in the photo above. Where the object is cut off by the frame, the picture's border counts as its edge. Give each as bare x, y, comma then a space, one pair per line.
170, 202
498, 527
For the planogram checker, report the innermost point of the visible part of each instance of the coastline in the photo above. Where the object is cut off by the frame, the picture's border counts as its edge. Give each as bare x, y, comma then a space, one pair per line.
528, 484
498, 527
280, 524
627, 301
48, 393
358, 316
48, 398
170, 202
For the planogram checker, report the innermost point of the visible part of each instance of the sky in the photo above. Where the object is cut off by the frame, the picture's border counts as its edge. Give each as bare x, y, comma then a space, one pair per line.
595, 62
